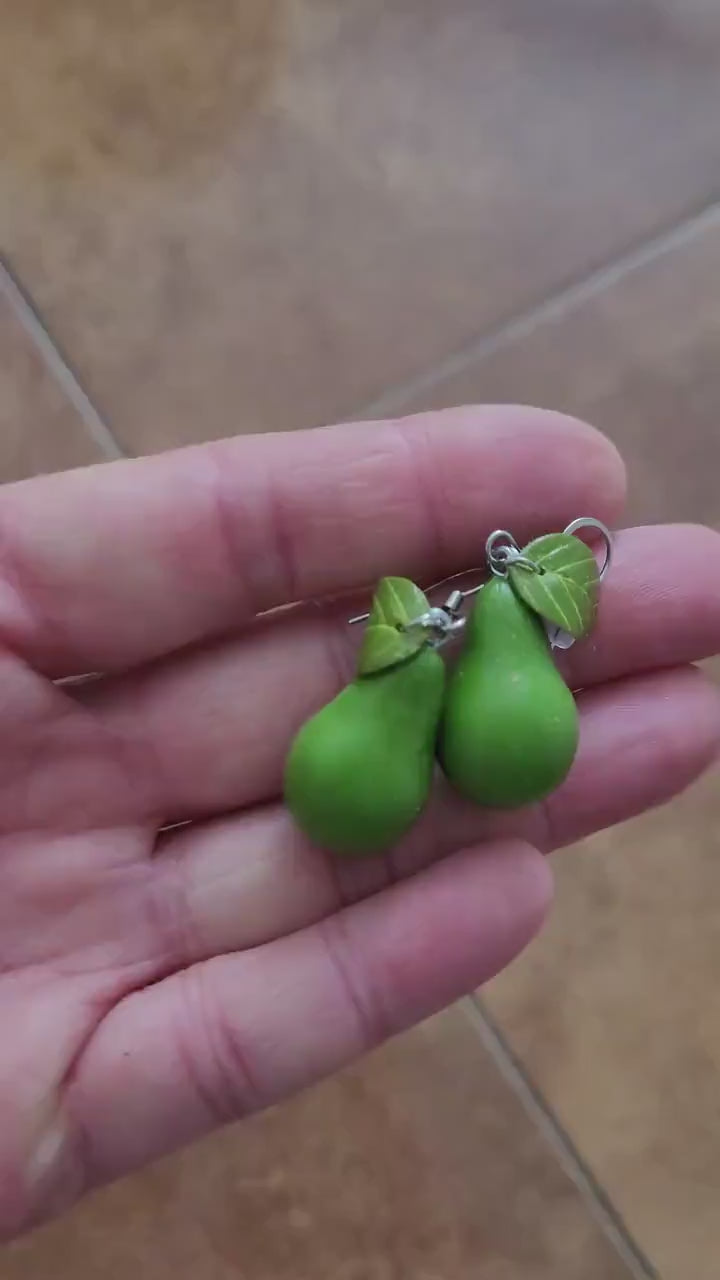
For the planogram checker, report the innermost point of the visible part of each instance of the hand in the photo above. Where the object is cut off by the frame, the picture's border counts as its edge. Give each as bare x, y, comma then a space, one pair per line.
155, 985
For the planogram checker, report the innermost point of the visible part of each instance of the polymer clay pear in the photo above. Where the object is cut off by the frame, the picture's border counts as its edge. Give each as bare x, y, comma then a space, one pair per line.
510, 726
359, 772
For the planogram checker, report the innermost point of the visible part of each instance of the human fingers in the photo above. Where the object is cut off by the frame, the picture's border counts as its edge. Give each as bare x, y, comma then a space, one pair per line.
236, 1033
114, 565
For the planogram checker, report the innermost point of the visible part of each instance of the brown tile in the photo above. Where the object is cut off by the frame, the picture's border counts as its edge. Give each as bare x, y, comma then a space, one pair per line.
419, 1163
260, 215
615, 1012
40, 430
639, 359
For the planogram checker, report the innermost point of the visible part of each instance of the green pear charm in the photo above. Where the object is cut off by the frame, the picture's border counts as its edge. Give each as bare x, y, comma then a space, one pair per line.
359, 772
510, 728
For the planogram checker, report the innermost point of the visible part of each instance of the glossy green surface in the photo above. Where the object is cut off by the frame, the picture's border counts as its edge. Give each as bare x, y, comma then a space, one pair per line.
510, 727
359, 772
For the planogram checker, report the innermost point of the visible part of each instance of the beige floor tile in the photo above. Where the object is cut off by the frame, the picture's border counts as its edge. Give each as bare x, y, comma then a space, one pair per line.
639, 360
40, 430
260, 215
418, 1165
615, 1013
615, 1010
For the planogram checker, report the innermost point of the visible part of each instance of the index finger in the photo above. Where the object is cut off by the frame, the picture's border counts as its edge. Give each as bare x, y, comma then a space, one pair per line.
123, 562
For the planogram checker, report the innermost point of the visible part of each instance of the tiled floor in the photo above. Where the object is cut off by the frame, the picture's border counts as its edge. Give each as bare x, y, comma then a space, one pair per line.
636, 354
256, 216
40, 429
614, 1011
380, 1174
261, 215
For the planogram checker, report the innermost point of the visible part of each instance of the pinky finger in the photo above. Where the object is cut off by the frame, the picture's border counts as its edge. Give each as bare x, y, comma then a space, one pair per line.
236, 1033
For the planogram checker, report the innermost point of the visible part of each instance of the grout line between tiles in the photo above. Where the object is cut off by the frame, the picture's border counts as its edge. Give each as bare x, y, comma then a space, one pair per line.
594, 1196
554, 307
57, 363
516, 328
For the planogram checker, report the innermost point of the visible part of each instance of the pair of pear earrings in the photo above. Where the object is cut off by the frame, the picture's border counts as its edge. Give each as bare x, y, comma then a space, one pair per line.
503, 723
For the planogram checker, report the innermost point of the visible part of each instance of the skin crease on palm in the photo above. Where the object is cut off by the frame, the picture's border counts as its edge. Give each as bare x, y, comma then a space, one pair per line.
159, 979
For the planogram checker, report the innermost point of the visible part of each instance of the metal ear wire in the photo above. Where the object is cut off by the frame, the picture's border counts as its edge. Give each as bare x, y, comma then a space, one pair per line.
502, 552
589, 522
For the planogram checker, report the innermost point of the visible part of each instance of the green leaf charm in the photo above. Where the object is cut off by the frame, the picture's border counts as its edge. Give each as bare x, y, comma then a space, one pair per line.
389, 638
565, 592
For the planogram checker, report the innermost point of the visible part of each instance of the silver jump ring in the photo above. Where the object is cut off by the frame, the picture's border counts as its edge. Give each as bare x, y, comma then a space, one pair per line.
501, 558
515, 560
588, 522
497, 557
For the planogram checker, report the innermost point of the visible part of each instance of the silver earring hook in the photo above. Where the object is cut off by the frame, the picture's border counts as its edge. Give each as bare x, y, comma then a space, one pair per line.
558, 638
501, 552
589, 522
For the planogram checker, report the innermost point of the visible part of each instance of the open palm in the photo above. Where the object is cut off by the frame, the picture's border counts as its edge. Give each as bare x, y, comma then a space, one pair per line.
173, 954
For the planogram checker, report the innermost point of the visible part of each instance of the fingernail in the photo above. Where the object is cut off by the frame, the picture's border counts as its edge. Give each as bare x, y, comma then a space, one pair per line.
45, 1156
50, 1184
